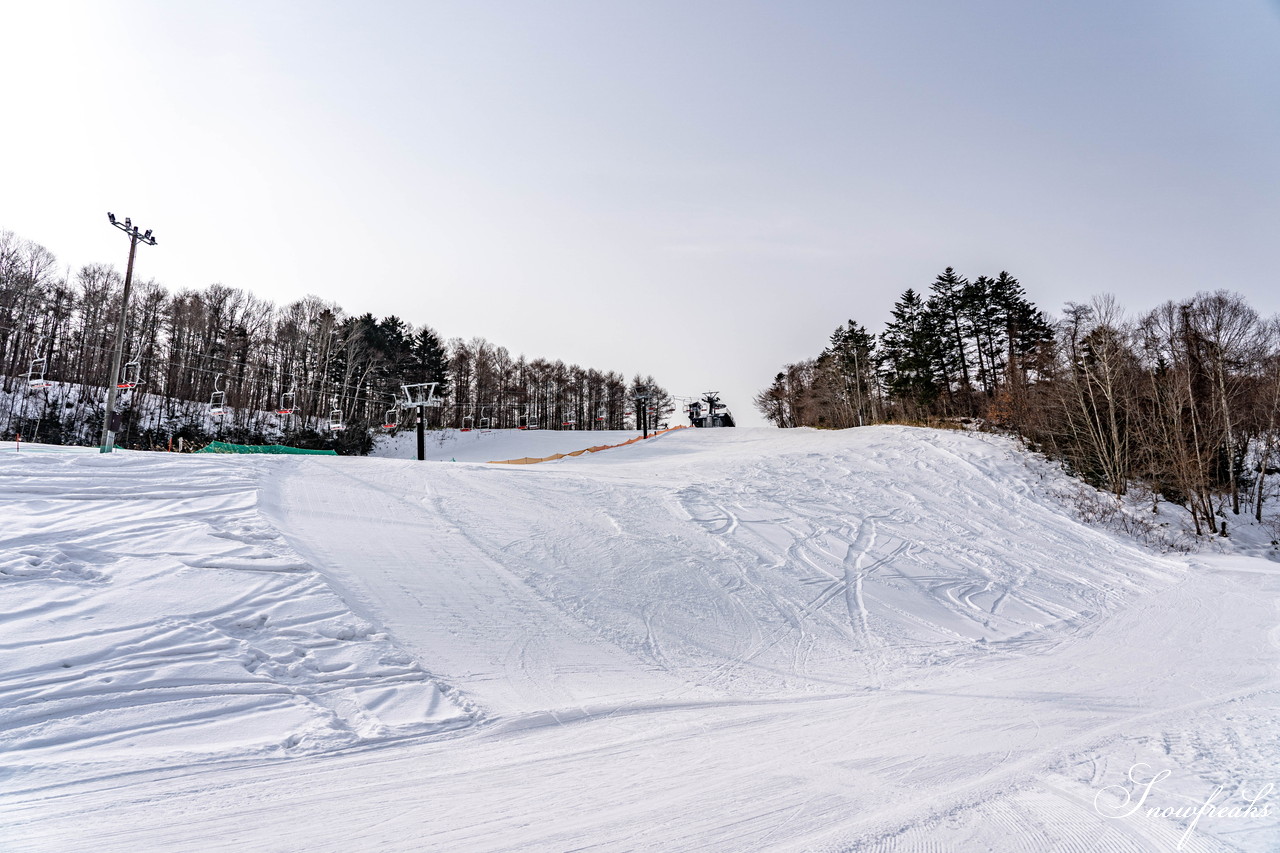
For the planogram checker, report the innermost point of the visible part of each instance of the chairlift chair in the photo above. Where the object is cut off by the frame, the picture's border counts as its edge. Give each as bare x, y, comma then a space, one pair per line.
335, 420
129, 374
392, 418
218, 399
485, 420
288, 403
35, 374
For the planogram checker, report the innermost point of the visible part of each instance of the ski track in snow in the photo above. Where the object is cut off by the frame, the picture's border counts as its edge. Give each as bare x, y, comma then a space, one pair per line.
883, 639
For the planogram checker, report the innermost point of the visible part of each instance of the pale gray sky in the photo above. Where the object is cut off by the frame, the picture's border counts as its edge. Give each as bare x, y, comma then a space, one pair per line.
702, 190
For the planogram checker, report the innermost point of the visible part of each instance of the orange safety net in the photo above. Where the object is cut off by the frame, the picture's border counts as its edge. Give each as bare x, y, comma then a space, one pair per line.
530, 460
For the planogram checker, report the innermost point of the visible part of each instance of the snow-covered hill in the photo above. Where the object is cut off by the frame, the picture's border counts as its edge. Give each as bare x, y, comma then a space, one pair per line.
878, 639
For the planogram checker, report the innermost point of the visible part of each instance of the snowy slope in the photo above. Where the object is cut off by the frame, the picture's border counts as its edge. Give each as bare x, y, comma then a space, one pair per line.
884, 639
152, 612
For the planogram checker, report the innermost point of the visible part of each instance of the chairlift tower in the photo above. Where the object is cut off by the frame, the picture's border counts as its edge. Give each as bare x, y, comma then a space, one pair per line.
419, 396
642, 412
135, 237
716, 414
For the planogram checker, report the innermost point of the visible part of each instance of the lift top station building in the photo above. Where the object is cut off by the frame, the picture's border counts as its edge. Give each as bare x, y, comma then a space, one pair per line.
710, 412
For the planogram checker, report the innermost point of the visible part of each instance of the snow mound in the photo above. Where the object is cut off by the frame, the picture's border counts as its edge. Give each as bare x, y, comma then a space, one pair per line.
736, 563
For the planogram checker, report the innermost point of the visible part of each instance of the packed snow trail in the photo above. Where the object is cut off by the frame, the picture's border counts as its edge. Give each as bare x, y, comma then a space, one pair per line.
880, 639
151, 611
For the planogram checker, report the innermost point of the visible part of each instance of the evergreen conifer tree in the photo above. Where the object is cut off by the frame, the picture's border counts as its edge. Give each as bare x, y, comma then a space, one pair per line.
907, 348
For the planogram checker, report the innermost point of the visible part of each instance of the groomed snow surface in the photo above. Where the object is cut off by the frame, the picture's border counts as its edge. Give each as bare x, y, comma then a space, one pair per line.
884, 639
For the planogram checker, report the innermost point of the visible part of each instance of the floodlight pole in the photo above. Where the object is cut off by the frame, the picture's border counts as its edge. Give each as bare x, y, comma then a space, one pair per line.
135, 237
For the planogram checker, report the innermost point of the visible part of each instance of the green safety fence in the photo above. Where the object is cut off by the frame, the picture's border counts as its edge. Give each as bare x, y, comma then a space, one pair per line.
228, 447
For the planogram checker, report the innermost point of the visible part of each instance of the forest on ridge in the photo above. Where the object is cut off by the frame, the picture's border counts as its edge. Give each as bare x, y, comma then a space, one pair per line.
1182, 402
189, 344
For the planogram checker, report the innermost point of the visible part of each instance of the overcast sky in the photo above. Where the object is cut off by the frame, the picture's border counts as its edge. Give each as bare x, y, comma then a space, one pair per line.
701, 190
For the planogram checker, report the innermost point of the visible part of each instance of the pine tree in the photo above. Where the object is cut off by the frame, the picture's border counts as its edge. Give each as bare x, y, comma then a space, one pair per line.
982, 323
946, 304
1027, 333
430, 362
907, 350
851, 356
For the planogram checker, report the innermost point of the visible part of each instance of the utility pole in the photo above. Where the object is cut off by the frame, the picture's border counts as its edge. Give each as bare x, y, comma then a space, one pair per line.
109, 424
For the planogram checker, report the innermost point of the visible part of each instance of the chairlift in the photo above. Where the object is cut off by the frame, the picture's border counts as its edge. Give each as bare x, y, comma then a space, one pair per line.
288, 403
485, 420
218, 399
35, 374
571, 421
335, 419
467, 421
392, 419
420, 394
129, 374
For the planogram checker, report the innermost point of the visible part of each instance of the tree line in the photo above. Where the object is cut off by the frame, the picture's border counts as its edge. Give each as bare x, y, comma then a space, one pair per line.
309, 356
1182, 402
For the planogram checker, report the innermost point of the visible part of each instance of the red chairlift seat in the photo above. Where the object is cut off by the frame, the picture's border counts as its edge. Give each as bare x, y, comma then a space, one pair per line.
288, 403
129, 375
